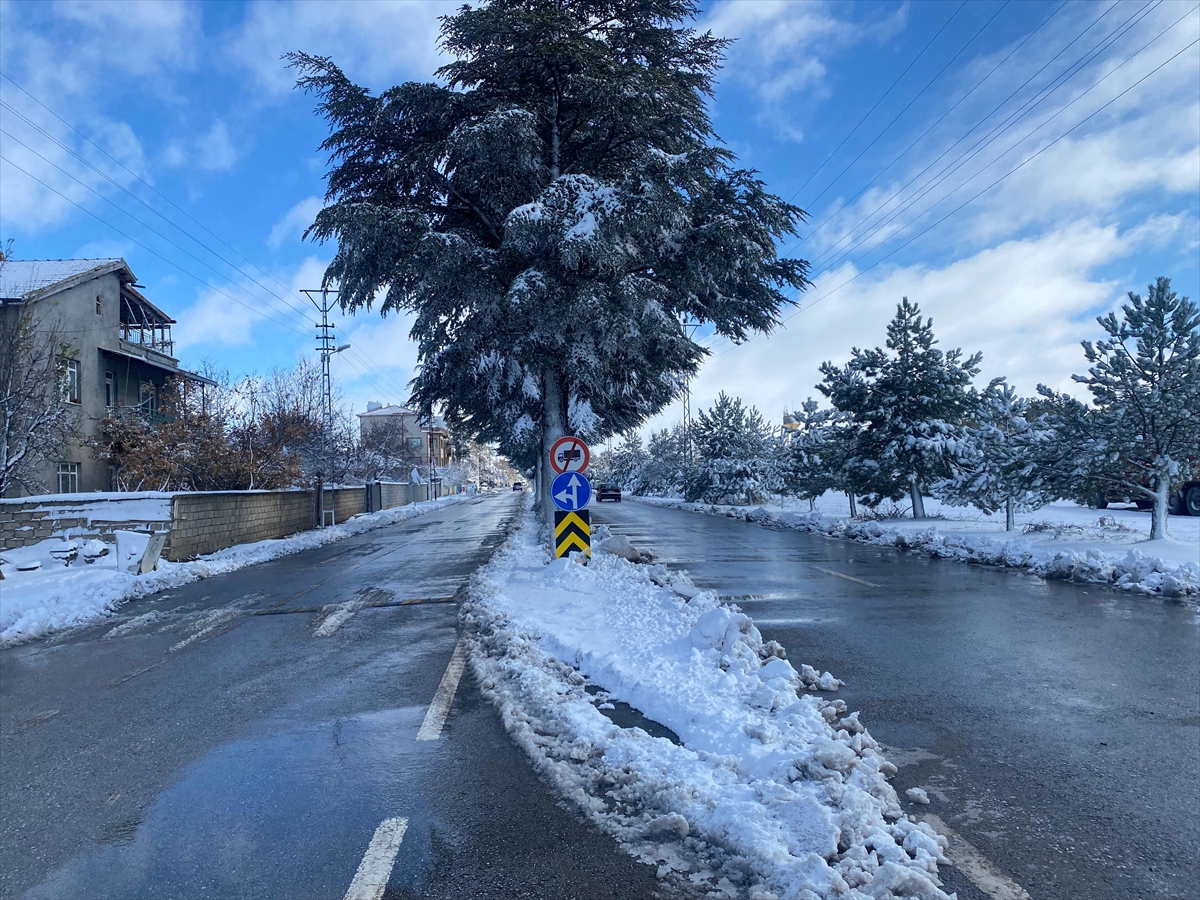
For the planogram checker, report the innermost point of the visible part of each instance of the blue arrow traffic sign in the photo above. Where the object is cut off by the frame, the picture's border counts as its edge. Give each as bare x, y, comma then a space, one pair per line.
571, 491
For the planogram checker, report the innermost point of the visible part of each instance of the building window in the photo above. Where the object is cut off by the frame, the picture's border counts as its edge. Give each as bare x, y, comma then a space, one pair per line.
110, 390
99, 306
112, 478
70, 387
68, 478
415, 443
148, 398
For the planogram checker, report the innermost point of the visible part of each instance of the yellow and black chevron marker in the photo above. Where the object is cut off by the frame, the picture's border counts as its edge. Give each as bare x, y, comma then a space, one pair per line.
572, 532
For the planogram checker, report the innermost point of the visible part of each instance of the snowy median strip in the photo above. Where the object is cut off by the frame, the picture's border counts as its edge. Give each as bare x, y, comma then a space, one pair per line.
770, 792
1093, 558
37, 603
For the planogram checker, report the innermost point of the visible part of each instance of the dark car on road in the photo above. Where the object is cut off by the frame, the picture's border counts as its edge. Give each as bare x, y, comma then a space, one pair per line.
608, 492
518, 485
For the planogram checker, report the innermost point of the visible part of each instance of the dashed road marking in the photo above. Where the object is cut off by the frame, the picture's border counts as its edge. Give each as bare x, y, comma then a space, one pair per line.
847, 577
435, 716
339, 614
373, 873
975, 865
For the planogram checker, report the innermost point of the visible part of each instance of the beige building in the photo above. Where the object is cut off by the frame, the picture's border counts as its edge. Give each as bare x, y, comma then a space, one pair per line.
120, 350
421, 437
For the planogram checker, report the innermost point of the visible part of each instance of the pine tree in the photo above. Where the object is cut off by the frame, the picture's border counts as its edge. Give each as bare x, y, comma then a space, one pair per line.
628, 460
808, 456
669, 466
997, 458
909, 406
1142, 431
737, 455
550, 214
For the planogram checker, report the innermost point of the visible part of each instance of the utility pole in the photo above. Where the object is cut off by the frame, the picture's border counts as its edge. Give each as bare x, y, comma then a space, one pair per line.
326, 348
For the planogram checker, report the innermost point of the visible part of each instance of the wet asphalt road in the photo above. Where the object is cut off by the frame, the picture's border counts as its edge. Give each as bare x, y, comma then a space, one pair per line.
1055, 727
208, 743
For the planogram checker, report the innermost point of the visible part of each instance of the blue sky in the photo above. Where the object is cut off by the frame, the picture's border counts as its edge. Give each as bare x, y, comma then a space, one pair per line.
880, 119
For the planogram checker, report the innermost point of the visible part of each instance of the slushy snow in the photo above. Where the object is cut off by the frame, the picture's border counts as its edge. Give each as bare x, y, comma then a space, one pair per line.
55, 596
773, 791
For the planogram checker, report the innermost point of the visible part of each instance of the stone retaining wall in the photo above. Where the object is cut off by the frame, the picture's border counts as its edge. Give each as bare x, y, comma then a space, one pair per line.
205, 522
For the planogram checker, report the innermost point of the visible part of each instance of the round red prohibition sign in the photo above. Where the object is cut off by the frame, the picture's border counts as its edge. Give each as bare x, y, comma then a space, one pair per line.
569, 454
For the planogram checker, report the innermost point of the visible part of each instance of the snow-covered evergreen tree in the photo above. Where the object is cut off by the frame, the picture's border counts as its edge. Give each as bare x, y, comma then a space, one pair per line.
1141, 434
669, 466
628, 461
810, 461
737, 455
997, 466
551, 213
910, 405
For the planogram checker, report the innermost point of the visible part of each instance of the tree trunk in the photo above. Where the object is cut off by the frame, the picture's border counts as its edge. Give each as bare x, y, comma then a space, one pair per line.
1158, 513
554, 424
812, 504
918, 502
853, 508
1010, 518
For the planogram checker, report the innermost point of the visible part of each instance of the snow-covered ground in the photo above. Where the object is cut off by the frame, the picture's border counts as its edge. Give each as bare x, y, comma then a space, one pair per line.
773, 791
55, 596
1061, 540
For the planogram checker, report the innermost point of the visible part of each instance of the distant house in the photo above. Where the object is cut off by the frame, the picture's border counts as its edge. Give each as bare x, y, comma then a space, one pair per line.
120, 352
423, 438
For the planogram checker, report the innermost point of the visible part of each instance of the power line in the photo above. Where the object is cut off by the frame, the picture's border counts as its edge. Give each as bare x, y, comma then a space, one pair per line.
882, 97
125, 212
994, 135
980, 193
990, 137
149, 250
923, 134
366, 360
907, 106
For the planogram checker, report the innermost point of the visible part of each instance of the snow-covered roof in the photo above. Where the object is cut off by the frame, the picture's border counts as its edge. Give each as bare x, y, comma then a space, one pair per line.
388, 411
27, 279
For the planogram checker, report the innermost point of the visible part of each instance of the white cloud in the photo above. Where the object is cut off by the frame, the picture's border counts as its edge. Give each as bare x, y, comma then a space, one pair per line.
373, 42
1025, 304
212, 151
292, 225
781, 48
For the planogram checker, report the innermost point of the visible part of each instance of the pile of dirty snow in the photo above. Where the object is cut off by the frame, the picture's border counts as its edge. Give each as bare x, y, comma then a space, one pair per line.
771, 791
1060, 541
56, 596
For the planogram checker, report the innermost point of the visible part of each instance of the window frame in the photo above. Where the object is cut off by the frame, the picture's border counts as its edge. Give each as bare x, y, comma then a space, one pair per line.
72, 378
70, 471
110, 390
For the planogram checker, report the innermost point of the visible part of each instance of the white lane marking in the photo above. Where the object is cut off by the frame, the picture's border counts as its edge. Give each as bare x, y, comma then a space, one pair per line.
373, 873
211, 623
847, 577
435, 716
975, 866
341, 613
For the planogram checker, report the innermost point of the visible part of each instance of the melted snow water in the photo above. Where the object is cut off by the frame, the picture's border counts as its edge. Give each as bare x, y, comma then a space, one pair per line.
296, 808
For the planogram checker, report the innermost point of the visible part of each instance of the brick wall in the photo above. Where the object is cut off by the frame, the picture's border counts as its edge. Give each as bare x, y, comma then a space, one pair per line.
199, 522
345, 502
205, 522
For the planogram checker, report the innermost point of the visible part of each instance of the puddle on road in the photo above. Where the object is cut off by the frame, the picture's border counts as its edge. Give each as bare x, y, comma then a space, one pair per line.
286, 815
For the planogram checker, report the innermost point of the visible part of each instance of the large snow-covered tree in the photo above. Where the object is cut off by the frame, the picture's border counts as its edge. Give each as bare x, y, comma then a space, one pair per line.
997, 465
737, 455
1141, 433
550, 213
910, 405
810, 455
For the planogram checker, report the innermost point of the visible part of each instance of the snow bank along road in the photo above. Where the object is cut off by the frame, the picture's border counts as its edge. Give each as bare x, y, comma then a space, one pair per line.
1054, 727
292, 729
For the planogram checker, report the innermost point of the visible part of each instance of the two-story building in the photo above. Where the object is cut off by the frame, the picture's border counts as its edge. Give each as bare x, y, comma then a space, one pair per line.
423, 438
119, 354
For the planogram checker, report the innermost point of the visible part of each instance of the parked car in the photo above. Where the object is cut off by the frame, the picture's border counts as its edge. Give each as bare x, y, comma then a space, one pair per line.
1184, 501
518, 485
608, 492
